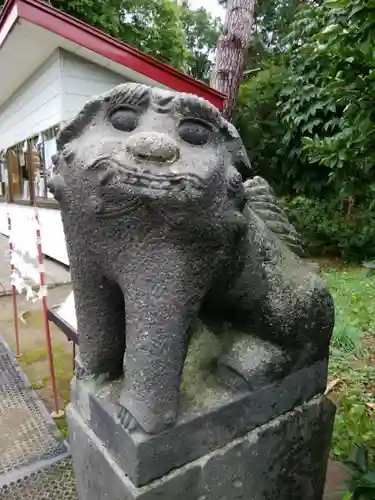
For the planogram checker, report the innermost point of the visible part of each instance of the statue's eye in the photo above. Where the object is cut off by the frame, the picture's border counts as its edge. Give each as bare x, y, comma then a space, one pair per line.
194, 132
124, 119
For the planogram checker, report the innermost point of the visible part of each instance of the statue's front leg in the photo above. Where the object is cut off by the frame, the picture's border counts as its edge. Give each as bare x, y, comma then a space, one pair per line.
160, 307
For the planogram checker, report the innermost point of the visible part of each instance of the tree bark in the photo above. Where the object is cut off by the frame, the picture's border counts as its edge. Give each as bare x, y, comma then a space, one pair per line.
231, 51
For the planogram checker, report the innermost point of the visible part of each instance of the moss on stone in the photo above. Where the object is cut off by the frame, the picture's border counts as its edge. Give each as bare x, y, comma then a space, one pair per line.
200, 386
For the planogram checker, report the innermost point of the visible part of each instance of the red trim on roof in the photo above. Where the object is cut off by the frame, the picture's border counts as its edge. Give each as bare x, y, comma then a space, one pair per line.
10, 20
93, 39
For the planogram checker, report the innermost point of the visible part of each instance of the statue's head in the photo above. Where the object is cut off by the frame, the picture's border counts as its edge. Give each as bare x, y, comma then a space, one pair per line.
141, 143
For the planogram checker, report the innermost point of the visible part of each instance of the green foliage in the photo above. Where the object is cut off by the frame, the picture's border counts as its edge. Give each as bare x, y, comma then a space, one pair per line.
256, 118
151, 25
176, 34
345, 337
182, 37
272, 22
202, 31
354, 423
308, 120
274, 144
327, 230
154, 26
352, 357
328, 103
62, 425
102, 14
353, 291
361, 482
305, 107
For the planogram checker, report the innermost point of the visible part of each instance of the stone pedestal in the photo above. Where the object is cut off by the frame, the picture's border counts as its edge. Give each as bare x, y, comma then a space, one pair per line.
269, 444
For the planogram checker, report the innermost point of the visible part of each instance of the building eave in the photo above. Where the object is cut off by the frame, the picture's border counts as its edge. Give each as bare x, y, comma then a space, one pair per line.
105, 46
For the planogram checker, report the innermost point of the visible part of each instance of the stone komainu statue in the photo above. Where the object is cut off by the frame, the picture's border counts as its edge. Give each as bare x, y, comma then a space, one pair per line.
162, 229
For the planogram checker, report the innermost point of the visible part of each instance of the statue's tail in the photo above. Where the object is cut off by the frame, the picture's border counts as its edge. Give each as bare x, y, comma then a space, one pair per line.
263, 201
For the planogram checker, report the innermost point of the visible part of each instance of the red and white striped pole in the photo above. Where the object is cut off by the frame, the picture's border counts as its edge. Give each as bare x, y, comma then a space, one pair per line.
56, 413
14, 290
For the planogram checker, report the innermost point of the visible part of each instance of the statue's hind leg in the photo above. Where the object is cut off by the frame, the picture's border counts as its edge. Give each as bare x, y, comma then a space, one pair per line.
277, 299
101, 324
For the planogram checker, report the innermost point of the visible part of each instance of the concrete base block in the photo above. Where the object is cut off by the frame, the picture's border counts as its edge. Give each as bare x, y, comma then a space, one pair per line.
198, 431
285, 459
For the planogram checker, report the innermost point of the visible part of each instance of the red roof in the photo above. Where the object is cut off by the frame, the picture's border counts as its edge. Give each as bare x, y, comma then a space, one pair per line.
82, 34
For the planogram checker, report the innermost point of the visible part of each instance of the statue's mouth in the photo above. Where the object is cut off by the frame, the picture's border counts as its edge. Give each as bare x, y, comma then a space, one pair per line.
122, 188
159, 182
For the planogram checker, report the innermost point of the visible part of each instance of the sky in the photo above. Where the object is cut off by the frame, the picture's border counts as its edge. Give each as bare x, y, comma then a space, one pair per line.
210, 5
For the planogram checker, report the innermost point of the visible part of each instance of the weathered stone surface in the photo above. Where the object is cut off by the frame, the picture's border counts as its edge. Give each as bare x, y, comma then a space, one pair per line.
161, 230
200, 428
285, 460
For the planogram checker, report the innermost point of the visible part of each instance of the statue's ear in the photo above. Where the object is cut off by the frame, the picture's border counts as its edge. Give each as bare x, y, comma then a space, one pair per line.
235, 188
74, 128
56, 184
57, 187
242, 164
240, 159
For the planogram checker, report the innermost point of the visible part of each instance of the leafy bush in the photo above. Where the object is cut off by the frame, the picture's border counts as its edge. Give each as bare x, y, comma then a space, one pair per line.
260, 128
328, 102
308, 122
361, 482
327, 231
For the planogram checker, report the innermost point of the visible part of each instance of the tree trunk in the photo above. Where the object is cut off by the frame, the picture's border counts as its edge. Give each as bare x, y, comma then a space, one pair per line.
231, 51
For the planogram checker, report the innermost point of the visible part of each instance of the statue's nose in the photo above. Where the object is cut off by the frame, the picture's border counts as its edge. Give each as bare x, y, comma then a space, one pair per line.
153, 146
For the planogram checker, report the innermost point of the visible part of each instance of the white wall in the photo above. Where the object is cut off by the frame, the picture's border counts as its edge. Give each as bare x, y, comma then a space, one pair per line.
34, 107
81, 79
54, 94
52, 232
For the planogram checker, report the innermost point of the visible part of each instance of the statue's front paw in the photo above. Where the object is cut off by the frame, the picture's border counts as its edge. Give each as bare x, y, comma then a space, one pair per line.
153, 417
127, 421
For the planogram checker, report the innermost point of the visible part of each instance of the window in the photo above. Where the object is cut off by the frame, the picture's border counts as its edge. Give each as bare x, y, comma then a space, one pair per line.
39, 180
42, 148
25, 168
15, 160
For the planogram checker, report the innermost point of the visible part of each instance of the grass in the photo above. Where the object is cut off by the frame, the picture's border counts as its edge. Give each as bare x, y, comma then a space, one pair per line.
41, 381
62, 425
354, 294
35, 364
352, 362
